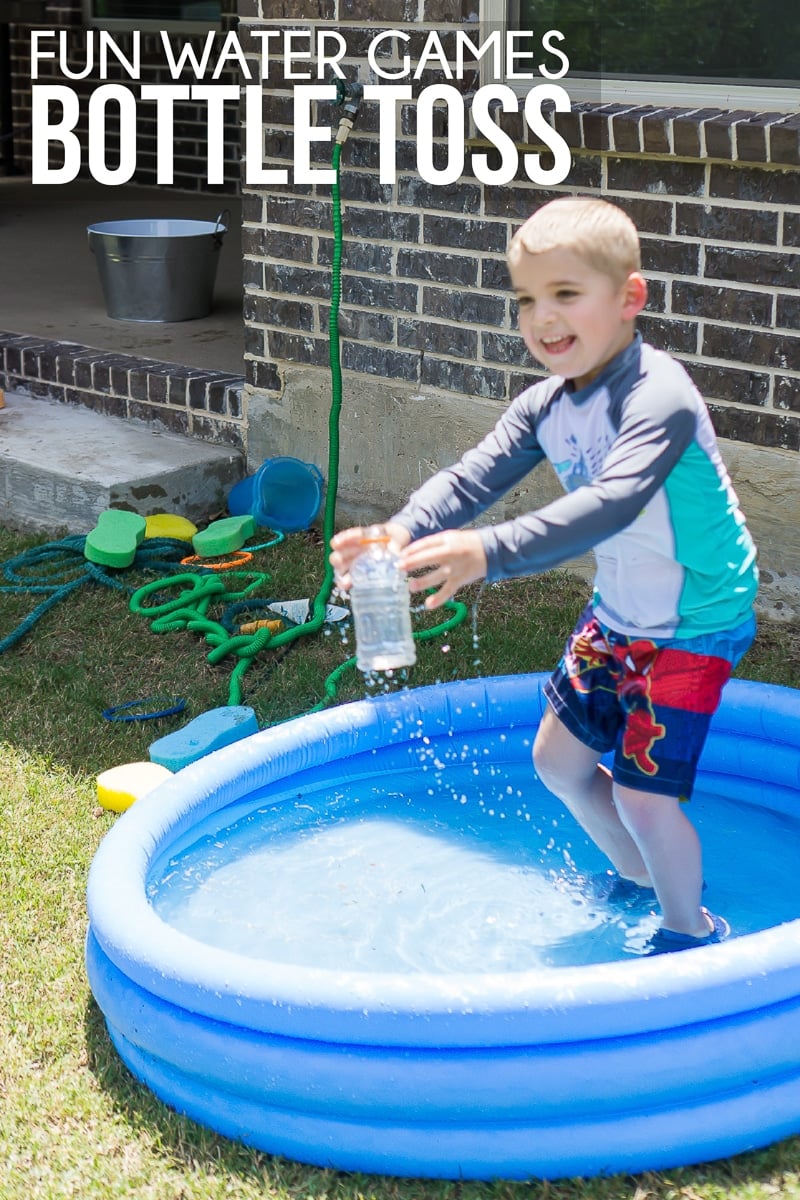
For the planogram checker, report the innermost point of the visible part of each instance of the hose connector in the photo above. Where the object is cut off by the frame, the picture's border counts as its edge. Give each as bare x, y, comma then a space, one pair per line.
349, 96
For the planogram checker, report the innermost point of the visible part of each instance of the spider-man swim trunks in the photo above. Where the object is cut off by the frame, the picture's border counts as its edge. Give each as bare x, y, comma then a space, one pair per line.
650, 701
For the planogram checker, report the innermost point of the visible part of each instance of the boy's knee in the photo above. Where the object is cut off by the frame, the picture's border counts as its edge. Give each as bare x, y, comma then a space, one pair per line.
563, 764
551, 762
541, 758
643, 813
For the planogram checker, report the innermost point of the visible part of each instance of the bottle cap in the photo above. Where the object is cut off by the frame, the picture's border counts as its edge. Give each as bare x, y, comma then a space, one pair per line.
374, 533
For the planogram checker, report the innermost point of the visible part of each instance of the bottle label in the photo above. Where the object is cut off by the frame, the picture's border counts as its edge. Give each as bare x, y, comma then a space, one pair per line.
383, 630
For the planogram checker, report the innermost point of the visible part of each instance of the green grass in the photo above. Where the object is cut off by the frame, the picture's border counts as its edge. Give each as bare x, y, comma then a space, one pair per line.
73, 1123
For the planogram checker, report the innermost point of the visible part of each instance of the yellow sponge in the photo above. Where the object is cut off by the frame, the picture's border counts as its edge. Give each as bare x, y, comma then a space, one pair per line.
169, 525
118, 787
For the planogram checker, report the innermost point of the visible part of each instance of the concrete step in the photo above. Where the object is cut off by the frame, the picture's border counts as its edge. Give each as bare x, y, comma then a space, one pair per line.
62, 465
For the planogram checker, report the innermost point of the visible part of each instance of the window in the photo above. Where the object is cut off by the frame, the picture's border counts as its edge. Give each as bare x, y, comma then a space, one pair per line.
687, 53
180, 16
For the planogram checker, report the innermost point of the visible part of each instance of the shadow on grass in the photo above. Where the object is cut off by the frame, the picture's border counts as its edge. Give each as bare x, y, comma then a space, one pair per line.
191, 1147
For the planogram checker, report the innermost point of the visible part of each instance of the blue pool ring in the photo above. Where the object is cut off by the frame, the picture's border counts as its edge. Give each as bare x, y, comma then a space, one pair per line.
619, 1066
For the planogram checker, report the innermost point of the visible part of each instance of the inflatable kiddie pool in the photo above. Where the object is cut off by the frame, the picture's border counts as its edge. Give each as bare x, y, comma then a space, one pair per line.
521, 1066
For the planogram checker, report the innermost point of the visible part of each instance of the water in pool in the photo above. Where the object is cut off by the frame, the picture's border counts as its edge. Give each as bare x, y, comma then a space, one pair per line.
482, 871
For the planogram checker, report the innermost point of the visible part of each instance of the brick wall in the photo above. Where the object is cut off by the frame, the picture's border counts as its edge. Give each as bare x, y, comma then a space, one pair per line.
425, 300
192, 401
190, 120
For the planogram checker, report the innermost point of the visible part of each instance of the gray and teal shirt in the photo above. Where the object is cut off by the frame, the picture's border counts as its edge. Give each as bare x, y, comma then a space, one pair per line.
645, 486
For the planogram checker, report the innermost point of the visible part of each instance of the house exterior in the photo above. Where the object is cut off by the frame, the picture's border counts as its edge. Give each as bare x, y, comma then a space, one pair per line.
429, 349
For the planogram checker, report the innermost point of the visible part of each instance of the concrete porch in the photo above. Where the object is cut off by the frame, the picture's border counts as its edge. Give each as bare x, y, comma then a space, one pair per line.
82, 428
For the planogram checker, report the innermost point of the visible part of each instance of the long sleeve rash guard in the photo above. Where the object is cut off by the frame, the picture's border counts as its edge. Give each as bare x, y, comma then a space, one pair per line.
645, 487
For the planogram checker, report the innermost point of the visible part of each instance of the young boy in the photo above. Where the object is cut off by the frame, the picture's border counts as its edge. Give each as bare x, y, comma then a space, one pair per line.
672, 609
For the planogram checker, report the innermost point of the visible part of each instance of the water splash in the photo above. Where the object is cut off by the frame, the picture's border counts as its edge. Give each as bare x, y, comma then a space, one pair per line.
476, 662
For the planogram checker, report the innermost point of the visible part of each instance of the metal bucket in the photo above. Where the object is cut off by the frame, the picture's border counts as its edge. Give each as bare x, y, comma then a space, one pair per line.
158, 270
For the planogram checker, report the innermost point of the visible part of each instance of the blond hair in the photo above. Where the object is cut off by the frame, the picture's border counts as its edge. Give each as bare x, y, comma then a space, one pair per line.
598, 232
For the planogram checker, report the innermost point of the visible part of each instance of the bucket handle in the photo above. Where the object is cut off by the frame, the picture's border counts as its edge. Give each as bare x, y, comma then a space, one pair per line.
221, 225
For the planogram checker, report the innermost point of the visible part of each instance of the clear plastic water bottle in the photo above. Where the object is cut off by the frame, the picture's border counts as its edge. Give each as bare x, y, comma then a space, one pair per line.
381, 606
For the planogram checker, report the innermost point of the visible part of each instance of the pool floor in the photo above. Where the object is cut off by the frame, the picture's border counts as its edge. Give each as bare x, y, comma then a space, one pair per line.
476, 869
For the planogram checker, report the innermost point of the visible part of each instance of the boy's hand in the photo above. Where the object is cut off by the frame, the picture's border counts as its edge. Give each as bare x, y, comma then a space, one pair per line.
450, 559
347, 545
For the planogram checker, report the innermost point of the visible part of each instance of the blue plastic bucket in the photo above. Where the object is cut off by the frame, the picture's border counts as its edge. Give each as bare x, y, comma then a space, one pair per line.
283, 494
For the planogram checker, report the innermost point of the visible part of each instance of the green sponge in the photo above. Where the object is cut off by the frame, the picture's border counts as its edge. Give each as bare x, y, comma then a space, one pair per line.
222, 537
115, 538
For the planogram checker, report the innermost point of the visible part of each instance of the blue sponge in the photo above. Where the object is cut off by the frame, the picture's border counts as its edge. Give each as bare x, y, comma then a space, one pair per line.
210, 731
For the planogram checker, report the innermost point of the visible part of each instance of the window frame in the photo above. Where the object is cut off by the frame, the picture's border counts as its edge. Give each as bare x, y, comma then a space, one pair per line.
154, 25
686, 92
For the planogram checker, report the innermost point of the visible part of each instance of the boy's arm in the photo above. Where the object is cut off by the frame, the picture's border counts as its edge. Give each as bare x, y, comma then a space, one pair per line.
653, 434
642, 455
456, 495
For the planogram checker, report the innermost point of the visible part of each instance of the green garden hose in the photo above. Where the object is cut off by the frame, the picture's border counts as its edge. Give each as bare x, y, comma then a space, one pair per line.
56, 569
189, 609
458, 609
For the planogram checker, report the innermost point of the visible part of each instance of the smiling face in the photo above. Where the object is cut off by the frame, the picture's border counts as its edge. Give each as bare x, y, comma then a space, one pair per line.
574, 319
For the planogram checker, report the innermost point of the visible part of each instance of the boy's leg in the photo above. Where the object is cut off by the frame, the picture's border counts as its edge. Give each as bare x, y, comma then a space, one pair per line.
652, 702
669, 697
646, 836
572, 771
670, 848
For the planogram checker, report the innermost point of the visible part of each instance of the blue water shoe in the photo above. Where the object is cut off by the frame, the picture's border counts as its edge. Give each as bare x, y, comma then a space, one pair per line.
614, 888
666, 941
